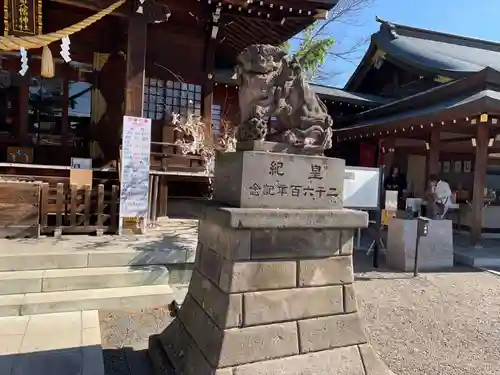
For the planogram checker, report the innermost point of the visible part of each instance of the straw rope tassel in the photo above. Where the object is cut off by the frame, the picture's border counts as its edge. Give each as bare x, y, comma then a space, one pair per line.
14, 43
48, 68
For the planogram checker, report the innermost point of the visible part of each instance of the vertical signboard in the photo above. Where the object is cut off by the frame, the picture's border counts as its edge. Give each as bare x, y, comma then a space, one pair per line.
22, 17
134, 184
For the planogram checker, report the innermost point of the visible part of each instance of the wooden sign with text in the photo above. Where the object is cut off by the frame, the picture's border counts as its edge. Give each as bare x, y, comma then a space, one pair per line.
22, 17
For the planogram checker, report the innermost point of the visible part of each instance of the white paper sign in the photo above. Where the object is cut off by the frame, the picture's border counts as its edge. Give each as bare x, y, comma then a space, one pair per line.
391, 200
81, 163
136, 147
361, 188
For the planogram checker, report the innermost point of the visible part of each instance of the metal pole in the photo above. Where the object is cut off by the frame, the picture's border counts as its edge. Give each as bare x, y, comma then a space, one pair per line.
150, 198
415, 266
422, 231
155, 198
378, 219
358, 239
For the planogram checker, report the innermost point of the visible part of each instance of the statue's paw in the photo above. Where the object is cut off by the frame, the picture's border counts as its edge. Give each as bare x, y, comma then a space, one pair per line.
254, 129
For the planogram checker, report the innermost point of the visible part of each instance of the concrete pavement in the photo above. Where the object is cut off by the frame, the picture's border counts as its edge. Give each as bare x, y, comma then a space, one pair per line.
50, 344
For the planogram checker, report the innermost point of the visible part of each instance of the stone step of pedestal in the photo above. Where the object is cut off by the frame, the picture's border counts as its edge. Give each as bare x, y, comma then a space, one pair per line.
36, 281
127, 299
15, 261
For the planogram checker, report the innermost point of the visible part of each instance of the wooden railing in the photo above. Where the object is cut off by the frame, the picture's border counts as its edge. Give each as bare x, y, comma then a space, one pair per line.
171, 158
70, 210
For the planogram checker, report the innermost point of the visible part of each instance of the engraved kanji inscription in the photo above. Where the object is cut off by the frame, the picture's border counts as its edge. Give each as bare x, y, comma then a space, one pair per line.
276, 168
315, 173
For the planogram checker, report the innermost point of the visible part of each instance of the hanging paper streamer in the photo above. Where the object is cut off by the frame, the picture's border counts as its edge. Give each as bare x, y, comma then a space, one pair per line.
65, 42
24, 61
140, 9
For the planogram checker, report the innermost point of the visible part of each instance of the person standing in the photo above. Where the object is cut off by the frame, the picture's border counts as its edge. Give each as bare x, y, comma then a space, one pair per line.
441, 195
396, 181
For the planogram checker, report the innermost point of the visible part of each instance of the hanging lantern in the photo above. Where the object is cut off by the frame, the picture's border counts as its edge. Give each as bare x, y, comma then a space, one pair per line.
48, 68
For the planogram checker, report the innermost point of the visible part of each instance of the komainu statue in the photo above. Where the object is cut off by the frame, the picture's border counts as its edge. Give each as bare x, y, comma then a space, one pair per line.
273, 85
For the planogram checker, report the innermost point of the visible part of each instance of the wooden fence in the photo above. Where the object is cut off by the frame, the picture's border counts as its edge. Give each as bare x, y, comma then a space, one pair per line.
19, 209
70, 210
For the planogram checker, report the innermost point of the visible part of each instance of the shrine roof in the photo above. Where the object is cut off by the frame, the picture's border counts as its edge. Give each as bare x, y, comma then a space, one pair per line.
468, 96
338, 94
265, 22
452, 56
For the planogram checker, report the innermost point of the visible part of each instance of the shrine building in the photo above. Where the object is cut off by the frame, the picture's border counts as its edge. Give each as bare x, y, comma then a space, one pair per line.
440, 96
421, 100
71, 69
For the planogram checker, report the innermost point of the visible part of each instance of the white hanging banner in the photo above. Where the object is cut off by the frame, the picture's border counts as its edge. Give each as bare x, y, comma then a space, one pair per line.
136, 147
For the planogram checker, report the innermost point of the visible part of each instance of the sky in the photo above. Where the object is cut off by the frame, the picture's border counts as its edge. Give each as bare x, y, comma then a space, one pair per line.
472, 18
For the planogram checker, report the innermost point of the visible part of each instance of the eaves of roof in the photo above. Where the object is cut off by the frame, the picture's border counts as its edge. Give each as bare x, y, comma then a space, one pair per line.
428, 51
480, 91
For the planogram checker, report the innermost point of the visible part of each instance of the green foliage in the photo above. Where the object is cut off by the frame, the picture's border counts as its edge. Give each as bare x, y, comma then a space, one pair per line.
286, 46
312, 51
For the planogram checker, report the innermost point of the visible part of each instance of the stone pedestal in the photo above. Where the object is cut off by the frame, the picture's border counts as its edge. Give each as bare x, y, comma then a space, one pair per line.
271, 293
435, 251
257, 179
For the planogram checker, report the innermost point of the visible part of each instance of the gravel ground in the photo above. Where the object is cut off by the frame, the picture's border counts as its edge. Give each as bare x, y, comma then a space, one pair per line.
125, 339
437, 324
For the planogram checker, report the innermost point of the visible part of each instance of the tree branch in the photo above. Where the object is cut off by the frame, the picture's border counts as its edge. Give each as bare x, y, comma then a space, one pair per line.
348, 13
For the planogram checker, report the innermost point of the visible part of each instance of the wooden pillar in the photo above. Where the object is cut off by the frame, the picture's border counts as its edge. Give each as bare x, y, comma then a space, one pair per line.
163, 204
136, 63
480, 165
24, 93
208, 85
433, 153
65, 116
208, 100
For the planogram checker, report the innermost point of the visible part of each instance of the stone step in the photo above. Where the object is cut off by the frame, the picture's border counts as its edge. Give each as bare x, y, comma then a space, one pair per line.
15, 261
19, 282
126, 299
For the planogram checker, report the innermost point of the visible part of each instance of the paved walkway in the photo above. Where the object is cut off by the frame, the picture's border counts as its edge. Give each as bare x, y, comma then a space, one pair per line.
51, 344
172, 234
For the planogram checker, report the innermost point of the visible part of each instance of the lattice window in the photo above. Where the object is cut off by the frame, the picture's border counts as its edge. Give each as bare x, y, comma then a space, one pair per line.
154, 103
162, 97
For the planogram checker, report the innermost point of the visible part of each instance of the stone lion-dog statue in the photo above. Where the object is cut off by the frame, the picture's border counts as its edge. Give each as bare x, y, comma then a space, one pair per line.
272, 85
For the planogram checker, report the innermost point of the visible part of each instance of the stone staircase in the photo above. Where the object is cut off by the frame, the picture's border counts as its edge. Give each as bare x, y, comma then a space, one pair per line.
51, 275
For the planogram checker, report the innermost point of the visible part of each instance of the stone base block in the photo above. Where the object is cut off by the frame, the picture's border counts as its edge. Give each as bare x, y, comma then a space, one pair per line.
435, 251
270, 299
169, 359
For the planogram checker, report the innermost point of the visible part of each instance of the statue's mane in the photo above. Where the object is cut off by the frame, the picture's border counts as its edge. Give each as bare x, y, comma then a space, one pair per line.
272, 84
